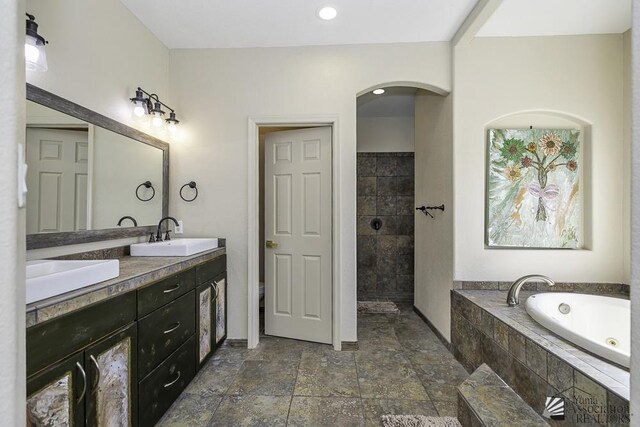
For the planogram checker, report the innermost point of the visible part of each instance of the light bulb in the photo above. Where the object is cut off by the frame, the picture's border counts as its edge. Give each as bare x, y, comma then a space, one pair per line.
34, 55
378, 91
172, 127
157, 120
138, 110
327, 13
31, 53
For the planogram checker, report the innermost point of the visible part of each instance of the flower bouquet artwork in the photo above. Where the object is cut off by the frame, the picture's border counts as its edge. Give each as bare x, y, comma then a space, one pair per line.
534, 197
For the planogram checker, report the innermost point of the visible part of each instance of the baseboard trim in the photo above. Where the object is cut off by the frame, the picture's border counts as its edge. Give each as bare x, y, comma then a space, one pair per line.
433, 328
236, 342
349, 346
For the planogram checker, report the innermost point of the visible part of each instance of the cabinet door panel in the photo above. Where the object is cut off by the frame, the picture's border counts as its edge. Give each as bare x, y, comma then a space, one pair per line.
221, 309
54, 396
205, 325
111, 367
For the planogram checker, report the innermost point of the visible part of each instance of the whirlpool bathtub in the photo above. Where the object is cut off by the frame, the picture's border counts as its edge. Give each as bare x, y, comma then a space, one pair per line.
599, 324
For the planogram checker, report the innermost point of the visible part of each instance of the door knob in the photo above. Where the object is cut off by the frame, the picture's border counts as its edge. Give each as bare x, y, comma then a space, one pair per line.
271, 244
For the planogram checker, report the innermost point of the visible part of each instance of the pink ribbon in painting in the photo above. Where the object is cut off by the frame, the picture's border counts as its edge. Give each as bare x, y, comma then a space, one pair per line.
550, 192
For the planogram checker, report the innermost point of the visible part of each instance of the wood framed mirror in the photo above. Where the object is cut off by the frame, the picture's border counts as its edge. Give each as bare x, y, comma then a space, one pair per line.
88, 175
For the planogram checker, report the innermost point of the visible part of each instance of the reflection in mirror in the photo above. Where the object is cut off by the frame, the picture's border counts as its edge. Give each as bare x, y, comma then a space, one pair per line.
83, 177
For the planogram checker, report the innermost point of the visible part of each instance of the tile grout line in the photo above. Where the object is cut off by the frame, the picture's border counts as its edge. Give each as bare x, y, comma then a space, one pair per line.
361, 399
295, 383
404, 350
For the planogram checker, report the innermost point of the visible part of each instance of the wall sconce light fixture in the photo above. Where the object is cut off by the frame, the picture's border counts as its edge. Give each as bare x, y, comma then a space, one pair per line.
145, 103
34, 54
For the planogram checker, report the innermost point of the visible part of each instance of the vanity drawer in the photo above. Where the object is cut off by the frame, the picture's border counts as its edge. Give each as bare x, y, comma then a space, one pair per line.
211, 269
162, 386
162, 331
160, 293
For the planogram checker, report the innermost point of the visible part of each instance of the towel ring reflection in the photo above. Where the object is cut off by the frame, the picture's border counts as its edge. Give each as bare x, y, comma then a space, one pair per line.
146, 184
191, 184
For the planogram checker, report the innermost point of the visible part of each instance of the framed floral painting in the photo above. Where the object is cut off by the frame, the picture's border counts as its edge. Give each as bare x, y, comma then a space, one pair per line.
534, 199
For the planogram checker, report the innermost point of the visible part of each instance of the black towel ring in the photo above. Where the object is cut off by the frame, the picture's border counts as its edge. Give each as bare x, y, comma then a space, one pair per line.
146, 184
191, 184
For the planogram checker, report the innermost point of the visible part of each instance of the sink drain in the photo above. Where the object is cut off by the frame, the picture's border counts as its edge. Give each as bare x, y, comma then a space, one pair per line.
612, 342
564, 308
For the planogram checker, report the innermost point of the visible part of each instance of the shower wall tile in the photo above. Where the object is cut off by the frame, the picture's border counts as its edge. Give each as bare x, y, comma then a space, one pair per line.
386, 185
386, 166
404, 205
366, 205
404, 166
367, 186
366, 166
385, 257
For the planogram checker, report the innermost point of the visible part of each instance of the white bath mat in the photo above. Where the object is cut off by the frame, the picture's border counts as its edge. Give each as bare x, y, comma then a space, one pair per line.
419, 421
372, 307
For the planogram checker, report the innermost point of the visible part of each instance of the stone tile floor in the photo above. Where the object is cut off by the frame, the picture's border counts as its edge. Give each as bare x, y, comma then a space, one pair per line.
400, 368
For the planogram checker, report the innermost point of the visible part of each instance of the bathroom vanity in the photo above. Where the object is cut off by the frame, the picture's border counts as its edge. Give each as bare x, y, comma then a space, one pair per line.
121, 352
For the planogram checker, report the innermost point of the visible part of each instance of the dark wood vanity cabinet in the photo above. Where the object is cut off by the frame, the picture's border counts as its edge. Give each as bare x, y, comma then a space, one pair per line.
125, 360
95, 383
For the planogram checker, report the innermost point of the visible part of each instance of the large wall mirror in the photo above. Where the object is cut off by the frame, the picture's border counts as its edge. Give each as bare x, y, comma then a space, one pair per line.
89, 178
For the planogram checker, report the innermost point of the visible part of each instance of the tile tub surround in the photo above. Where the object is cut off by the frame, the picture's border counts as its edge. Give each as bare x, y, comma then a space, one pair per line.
135, 272
484, 399
535, 362
385, 257
588, 288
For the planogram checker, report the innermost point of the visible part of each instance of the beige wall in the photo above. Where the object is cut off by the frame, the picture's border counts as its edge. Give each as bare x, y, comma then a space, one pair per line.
217, 90
385, 134
434, 186
12, 220
578, 77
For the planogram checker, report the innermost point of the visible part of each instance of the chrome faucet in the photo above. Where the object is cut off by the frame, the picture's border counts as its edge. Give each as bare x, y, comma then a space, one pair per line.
159, 232
513, 298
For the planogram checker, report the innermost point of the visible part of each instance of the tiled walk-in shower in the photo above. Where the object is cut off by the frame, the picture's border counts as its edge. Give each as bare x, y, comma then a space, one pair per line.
385, 256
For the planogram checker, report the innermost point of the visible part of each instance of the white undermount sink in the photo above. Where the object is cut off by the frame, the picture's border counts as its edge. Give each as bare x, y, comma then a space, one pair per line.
176, 247
48, 278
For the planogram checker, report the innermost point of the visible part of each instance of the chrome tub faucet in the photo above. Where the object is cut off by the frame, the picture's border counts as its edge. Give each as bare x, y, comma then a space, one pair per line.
513, 298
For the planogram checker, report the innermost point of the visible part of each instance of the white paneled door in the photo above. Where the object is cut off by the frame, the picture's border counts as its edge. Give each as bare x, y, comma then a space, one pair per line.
298, 229
57, 180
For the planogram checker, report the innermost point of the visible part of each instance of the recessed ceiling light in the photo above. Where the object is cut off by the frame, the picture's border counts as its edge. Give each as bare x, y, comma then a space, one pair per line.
327, 13
378, 91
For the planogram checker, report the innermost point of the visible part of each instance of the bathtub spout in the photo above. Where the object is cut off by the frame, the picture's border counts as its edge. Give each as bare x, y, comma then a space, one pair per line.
513, 298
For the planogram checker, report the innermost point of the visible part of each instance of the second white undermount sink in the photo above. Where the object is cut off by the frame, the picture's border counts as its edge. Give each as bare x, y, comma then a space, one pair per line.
48, 278
176, 247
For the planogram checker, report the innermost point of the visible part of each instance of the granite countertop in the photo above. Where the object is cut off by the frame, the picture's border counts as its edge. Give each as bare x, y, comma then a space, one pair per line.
135, 272
609, 375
